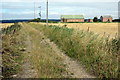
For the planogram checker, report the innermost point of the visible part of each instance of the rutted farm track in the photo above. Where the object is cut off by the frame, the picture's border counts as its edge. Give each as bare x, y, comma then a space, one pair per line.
45, 60
38, 51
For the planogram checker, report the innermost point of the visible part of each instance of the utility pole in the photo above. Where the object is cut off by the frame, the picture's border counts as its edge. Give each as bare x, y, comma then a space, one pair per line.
40, 12
119, 18
47, 13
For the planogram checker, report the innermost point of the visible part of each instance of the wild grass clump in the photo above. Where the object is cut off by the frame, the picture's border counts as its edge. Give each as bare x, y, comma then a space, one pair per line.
11, 53
99, 54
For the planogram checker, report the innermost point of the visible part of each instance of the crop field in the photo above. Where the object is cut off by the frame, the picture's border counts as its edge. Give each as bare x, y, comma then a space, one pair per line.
5, 25
106, 29
103, 29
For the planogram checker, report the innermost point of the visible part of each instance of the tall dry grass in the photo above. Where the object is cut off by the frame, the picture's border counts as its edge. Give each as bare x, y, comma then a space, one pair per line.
99, 28
43, 57
99, 54
12, 42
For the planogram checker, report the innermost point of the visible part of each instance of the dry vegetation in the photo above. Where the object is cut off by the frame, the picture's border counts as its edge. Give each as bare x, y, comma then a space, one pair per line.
5, 25
42, 57
98, 54
99, 28
12, 43
107, 29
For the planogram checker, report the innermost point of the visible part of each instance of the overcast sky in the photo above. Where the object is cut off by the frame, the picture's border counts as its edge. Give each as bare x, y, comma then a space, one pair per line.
60, 0
24, 9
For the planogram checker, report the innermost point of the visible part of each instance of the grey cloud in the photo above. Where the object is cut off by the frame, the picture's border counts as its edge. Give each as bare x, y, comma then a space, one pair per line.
89, 9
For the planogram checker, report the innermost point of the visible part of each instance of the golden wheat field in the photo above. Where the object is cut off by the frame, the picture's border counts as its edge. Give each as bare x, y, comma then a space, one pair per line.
107, 29
4, 25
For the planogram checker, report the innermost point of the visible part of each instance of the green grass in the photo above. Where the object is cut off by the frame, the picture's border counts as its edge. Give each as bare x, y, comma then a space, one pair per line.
43, 57
11, 53
98, 54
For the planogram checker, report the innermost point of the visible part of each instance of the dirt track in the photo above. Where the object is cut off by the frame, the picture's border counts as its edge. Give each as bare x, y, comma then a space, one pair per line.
74, 69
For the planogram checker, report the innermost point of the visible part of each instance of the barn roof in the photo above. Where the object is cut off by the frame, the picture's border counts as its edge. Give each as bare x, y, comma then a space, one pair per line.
107, 16
72, 16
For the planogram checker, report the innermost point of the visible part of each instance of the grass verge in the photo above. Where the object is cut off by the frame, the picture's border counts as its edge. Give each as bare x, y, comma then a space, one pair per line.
12, 45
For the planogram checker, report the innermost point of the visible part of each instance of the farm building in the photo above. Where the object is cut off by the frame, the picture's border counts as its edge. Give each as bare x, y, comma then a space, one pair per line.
72, 18
90, 20
106, 18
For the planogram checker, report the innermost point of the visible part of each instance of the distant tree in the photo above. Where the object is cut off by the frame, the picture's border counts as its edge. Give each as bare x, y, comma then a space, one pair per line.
95, 19
35, 20
116, 20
